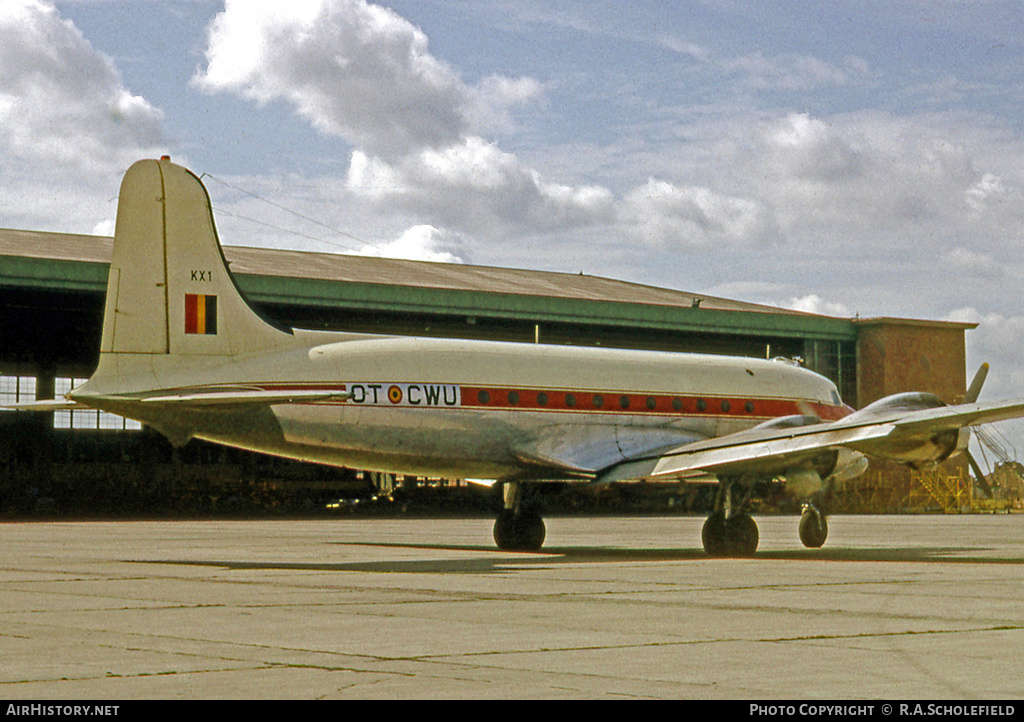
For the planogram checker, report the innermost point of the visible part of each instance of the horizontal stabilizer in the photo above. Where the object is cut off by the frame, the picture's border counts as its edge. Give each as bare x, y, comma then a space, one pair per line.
44, 405
221, 397
247, 397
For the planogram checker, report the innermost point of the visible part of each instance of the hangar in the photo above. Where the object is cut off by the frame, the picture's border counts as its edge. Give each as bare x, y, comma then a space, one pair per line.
52, 289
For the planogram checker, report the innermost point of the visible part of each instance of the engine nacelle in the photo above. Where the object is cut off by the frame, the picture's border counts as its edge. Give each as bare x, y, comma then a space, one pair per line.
838, 466
937, 449
849, 465
910, 401
916, 451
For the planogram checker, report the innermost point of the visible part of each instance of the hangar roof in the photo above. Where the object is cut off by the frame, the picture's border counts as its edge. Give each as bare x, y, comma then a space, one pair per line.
246, 261
61, 261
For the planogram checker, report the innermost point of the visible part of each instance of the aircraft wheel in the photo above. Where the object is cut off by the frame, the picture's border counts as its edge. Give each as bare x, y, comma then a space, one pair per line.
523, 532
743, 535
712, 535
813, 528
733, 537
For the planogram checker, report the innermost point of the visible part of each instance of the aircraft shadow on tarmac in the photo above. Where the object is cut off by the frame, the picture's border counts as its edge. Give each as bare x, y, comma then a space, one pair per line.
492, 561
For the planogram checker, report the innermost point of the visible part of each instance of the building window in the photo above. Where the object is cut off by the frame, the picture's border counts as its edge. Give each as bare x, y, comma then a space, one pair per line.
87, 418
17, 389
836, 361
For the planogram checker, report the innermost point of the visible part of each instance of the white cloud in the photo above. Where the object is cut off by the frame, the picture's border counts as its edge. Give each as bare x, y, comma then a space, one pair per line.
104, 228
364, 73
421, 243
477, 187
682, 46
662, 213
813, 303
967, 261
988, 188
811, 150
873, 181
998, 341
491, 100
792, 72
61, 101
352, 69
372, 177
472, 165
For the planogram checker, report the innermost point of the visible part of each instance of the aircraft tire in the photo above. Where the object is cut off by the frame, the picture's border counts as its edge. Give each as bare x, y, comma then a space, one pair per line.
523, 532
743, 535
712, 535
813, 529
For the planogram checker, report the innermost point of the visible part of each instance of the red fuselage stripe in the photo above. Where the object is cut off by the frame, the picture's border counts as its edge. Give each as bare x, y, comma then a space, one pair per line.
608, 402
632, 402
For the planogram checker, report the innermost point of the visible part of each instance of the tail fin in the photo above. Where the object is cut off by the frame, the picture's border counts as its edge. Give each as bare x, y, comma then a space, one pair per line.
170, 291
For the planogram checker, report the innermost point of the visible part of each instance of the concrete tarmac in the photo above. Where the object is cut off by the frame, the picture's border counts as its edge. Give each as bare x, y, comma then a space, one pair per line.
893, 607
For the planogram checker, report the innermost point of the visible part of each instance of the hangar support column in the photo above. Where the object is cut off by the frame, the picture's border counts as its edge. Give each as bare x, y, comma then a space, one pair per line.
895, 355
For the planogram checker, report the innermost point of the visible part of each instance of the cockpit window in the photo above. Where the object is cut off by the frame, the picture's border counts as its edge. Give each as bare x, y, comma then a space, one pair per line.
836, 399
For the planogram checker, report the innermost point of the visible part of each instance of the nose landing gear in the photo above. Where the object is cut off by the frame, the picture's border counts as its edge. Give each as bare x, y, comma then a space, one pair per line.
813, 527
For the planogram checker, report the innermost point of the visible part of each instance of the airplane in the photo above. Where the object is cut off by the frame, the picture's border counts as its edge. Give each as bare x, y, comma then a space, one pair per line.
184, 352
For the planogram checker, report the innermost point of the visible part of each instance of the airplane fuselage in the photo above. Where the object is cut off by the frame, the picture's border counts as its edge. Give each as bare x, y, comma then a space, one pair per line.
475, 409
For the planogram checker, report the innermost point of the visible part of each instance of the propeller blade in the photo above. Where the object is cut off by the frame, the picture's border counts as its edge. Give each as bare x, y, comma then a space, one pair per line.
975, 388
979, 477
805, 410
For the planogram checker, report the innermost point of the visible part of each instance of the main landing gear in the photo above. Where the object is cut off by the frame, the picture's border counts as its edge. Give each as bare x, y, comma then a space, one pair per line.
729, 531
519, 526
734, 536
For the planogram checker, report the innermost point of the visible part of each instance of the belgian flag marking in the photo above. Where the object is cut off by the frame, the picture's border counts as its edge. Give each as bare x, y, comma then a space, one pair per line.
200, 314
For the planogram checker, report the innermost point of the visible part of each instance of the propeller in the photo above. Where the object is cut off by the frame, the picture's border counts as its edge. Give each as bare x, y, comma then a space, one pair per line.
975, 388
969, 398
979, 477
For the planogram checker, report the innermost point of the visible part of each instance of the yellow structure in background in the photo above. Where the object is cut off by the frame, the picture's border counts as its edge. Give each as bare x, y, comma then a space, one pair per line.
937, 490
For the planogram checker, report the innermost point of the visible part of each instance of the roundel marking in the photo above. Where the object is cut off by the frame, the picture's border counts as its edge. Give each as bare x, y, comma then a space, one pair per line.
394, 394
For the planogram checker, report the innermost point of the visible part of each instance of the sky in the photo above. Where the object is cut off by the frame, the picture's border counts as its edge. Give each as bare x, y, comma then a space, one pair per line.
844, 157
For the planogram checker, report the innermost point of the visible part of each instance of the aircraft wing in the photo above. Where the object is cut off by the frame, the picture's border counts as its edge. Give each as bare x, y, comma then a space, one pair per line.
887, 434
955, 417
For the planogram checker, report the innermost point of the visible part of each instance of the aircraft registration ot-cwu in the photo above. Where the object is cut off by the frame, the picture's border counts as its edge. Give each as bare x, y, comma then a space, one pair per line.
183, 352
